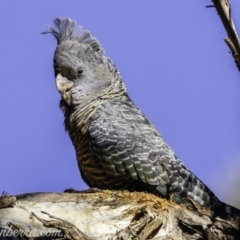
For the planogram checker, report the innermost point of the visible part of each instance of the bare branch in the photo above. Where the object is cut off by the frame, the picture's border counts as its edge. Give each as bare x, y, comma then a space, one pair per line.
223, 8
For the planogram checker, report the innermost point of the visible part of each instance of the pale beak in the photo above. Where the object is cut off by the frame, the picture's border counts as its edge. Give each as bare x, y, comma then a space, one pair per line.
63, 86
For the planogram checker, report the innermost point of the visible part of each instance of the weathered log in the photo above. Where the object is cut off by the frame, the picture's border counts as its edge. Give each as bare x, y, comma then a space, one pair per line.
107, 215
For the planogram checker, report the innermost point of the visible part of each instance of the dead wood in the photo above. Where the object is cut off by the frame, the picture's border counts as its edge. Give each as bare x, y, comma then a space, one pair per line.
107, 215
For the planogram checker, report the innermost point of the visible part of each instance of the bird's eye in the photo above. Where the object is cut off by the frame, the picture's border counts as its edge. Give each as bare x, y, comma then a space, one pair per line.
80, 72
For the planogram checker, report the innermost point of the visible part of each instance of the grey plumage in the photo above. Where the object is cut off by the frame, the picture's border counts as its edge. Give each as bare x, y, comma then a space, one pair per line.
116, 145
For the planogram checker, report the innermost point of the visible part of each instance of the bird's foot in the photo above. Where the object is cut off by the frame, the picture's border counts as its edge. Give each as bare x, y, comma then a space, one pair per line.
199, 208
90, 190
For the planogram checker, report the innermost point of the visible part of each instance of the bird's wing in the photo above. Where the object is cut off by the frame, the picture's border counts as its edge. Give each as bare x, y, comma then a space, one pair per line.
127, 144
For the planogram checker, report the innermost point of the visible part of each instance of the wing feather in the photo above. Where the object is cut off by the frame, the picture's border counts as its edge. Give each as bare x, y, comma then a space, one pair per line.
127, 144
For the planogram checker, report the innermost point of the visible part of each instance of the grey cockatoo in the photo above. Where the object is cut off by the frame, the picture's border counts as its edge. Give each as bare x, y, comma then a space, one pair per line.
117, 147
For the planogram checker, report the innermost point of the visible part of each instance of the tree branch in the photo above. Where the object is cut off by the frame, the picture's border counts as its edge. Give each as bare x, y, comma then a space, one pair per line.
108, 215
223, 8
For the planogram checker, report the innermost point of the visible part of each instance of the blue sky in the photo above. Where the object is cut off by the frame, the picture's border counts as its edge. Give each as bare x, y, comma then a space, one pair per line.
172, 59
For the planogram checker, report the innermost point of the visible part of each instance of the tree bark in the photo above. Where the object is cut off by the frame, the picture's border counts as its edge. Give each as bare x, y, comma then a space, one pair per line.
107, 215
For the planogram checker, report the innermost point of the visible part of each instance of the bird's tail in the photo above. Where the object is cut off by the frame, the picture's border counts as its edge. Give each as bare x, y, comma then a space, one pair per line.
229, 212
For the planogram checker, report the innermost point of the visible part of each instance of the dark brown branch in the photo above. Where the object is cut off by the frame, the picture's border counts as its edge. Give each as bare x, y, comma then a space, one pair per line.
223, 8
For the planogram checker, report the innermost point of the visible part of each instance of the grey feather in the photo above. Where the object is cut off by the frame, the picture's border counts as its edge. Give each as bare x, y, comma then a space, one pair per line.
67, 29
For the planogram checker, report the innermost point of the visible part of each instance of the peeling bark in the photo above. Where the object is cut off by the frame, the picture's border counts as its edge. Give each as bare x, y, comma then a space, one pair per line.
108, 215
